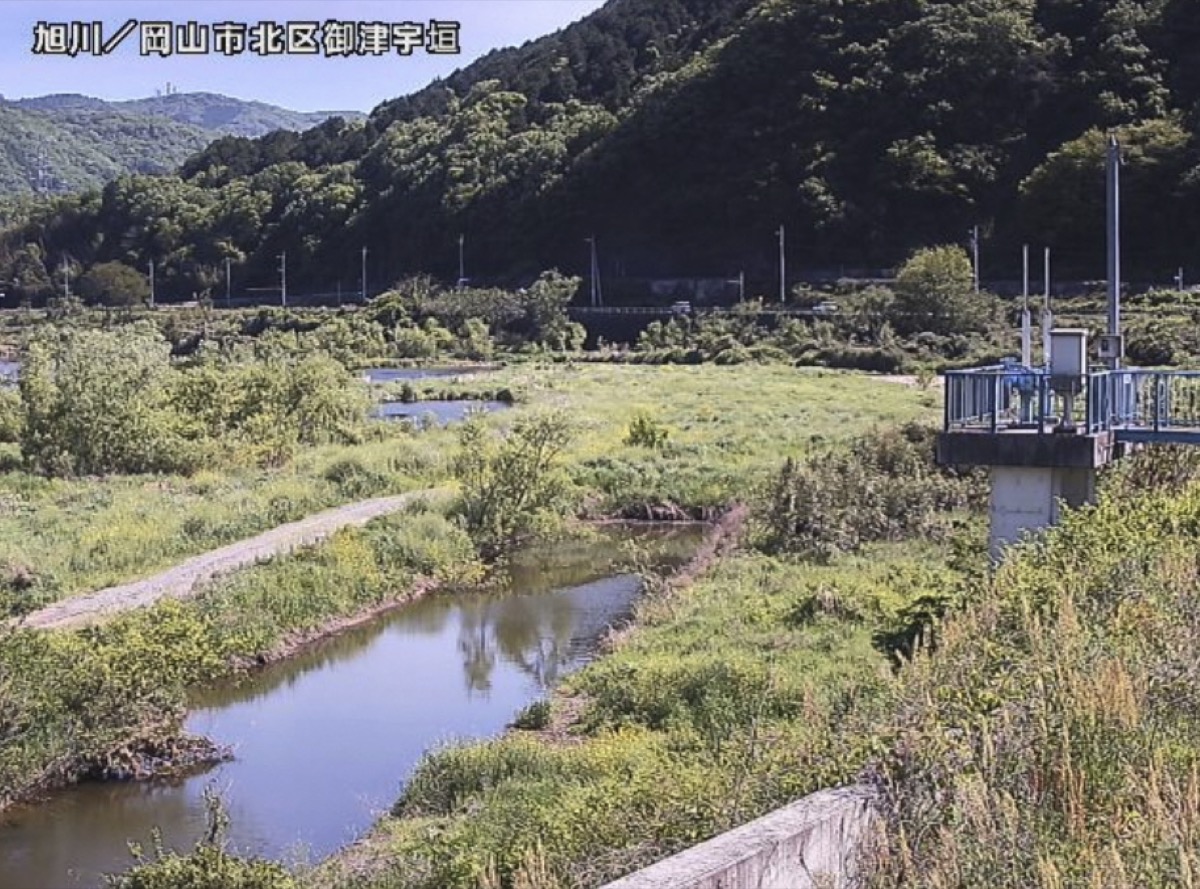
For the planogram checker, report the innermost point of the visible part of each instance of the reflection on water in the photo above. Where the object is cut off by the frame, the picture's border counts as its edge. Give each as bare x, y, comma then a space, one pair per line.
324, 741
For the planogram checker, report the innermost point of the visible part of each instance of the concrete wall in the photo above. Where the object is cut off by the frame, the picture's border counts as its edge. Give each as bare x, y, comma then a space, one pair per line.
813, 843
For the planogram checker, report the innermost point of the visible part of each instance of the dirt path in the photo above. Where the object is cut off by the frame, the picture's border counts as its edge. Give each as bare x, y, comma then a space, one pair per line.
182, 580
911, 381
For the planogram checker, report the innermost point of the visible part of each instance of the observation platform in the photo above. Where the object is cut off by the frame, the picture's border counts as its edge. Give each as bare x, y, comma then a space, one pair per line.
1043, 447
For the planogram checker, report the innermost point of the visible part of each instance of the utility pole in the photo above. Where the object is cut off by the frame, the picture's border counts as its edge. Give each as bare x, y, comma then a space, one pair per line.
462, 266
283, 279
1114, 245
1047, 315
782, 267
1179, 280
152, 283
364, 278
597, 297
1026, 318
228, 278
975, 257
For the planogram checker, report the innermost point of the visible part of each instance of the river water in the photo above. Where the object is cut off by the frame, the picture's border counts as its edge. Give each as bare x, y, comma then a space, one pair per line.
324, 741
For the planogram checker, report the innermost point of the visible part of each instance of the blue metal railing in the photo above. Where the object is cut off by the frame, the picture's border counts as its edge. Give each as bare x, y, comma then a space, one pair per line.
997, 398
1009, 397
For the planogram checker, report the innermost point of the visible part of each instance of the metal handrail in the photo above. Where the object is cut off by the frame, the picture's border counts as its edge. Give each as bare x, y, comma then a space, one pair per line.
999, 398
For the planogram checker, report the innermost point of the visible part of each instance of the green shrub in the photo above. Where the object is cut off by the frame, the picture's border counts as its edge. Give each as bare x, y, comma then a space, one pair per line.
98, 402
446, 779
109, 401
534, 717
884, 486
354, 480
510, 485
208, 866
646, 432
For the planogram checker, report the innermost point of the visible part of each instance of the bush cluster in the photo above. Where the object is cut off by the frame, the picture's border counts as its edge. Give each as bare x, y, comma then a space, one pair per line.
105, 401
511, 484
884, 486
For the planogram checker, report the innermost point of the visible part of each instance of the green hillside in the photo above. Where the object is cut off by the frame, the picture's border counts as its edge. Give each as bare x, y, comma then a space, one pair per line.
84, 142
210, 112
682, 133
81, 149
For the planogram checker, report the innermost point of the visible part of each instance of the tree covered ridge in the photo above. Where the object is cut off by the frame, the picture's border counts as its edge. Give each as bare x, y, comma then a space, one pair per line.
682, 133
82, 142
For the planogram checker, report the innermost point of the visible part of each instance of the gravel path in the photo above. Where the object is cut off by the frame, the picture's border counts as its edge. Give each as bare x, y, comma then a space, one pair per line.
182, 580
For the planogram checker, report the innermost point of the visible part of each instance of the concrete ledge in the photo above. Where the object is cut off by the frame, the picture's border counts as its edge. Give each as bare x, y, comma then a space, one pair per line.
1025, 448
814, 843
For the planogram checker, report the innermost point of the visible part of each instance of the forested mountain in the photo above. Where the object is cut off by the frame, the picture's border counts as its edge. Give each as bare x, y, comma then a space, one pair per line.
77, 148
682, 133
79, 141
210, 112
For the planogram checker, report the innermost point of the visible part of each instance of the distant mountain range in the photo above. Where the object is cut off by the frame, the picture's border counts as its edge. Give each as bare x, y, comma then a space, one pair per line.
679, 136
69, 141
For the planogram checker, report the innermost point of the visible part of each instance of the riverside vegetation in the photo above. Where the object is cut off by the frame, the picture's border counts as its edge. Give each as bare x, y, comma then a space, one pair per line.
77, 703
803, 659
674, 714
834, 647
1031, 727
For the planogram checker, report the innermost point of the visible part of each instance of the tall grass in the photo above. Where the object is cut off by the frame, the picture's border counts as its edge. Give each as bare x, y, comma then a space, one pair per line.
731, 427
1053, 739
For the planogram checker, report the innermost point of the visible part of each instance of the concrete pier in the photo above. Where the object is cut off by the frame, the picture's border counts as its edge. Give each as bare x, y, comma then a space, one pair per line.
1026, 499
1032, 474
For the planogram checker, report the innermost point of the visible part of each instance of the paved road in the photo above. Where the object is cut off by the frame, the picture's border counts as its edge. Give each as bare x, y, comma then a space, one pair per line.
182, 580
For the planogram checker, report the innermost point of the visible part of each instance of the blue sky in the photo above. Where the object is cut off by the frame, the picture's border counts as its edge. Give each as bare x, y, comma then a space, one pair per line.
305, 83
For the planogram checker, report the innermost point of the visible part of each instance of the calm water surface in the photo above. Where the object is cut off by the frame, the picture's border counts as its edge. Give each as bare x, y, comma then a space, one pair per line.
442, 412
324, 741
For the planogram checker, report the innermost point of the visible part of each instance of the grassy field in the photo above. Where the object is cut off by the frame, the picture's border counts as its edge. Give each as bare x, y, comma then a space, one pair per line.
726, 426
721, 708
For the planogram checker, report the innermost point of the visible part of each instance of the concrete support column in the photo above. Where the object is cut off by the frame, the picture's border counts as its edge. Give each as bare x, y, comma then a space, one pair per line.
1028, 498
